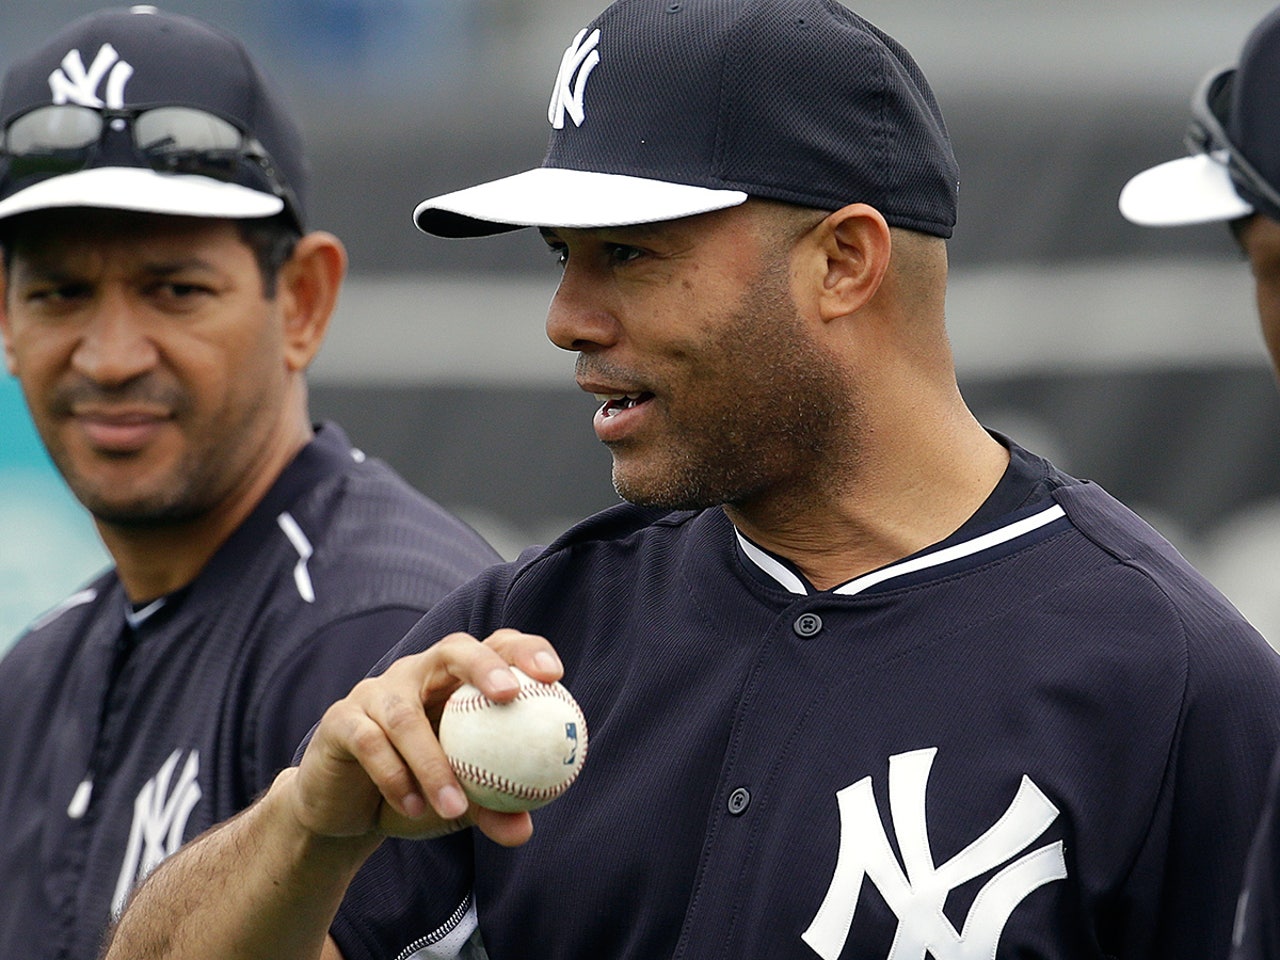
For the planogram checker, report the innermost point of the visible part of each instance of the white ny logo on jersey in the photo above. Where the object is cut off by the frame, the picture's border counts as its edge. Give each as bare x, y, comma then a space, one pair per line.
917, 896
579, 60
74, 84
160, 815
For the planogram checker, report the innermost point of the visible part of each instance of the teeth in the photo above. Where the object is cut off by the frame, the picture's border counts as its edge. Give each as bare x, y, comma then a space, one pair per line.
615, 403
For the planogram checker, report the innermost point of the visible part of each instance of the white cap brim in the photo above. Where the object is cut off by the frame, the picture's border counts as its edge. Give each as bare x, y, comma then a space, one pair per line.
1195, 189
145, 191
555, 197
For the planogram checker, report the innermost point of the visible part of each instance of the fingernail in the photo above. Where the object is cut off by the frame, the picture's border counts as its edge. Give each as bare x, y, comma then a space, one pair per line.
414, 806
547, 662
451, 803
503, 679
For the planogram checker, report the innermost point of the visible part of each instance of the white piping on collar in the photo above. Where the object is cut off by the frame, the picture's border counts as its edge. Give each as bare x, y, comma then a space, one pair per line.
77, 599
771, 565
790, 582
301, 576
136, 618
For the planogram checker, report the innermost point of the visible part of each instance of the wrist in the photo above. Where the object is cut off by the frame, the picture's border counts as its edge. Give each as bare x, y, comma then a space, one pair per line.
286, 807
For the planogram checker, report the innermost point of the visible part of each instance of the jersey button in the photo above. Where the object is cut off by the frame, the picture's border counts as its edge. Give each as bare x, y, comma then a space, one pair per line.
807, 625
739, 800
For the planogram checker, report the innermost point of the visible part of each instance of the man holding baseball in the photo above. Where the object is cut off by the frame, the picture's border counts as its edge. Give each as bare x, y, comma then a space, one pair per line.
863, 679
1232, 176
162, 300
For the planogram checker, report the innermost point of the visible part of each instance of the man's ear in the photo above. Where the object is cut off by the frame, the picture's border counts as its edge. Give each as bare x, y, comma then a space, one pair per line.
307, 294
855, 244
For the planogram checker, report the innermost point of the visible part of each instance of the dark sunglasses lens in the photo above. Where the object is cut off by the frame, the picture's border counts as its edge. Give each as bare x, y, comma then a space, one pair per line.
167, 130
51, 141
52, 130
182, 140
1218, 96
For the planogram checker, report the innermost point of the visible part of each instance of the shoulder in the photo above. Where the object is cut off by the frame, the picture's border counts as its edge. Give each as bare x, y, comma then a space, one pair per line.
1132, 543
366, 537
67, 617
1150, 578
595, 547
597, 554
47, 646
620, 538
369, 502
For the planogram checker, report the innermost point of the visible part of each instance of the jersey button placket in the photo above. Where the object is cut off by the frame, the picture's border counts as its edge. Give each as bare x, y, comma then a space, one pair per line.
739, 800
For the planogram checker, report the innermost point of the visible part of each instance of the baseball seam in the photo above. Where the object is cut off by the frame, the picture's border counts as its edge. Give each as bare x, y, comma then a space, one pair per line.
485, 778
479, 701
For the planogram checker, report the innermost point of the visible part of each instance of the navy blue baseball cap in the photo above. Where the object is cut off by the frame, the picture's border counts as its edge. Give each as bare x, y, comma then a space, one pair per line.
668, 108
1233, 169
135, 109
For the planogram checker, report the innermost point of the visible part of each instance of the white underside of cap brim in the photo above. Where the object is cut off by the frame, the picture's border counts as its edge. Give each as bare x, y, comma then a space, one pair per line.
1195, 189
145, 191
554, 197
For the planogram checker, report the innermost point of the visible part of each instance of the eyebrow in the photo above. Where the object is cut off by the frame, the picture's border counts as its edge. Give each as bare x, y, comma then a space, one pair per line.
40, 268
165, 268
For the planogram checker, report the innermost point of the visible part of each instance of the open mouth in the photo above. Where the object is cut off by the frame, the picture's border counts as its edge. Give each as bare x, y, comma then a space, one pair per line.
615, 403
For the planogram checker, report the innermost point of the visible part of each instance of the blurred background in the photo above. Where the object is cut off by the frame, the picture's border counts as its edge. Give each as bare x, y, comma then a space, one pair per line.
1128, 356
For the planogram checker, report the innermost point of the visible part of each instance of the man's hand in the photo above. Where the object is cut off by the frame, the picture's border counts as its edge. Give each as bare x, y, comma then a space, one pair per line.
374, 764
268, 882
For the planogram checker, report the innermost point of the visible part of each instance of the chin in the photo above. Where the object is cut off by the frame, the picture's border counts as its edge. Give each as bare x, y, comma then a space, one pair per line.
663, 493
138, 511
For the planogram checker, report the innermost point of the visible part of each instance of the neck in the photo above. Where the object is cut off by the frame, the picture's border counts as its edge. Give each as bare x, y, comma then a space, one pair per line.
152, 561
881, 509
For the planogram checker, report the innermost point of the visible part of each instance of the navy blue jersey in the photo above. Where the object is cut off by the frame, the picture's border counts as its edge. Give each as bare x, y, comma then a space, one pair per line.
1257, 932
118, 742
1038, 738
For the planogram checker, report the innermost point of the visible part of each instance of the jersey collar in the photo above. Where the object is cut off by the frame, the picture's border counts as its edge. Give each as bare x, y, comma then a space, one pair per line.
1000, 539
1020, 508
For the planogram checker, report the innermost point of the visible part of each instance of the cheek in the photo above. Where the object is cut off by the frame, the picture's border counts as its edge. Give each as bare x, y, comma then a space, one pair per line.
36, 356
241, 351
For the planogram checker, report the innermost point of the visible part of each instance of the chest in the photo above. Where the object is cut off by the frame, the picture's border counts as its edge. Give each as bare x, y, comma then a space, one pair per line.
837, 778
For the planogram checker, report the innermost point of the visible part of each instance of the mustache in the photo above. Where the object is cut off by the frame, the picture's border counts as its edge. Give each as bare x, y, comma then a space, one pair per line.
590, 367
143, 392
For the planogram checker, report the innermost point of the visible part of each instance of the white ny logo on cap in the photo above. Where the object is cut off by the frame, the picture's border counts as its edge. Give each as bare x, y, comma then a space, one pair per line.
74, 84
579, 59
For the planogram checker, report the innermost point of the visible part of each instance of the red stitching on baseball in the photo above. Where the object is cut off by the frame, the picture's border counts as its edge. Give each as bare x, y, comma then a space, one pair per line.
478, 701
485, 778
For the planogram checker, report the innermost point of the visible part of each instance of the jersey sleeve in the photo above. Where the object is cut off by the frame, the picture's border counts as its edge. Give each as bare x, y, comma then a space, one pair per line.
1257, 930
1215, 786
321, 671
418, 893
411, 898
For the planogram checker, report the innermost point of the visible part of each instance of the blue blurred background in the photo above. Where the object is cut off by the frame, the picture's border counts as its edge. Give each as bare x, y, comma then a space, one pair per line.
47, 542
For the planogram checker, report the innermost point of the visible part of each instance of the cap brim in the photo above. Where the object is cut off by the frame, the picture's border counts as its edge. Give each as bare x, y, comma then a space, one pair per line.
145, 191
555, 197
1195, 189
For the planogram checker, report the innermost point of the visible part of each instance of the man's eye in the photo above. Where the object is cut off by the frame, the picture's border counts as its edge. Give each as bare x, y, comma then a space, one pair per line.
176, 290
621, 253
559, 253
57, 293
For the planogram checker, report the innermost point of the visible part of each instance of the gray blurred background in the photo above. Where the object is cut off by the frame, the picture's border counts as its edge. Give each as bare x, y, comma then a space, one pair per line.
1128, 356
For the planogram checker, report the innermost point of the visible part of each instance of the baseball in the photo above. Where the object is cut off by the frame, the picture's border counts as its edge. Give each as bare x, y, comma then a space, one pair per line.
518, 755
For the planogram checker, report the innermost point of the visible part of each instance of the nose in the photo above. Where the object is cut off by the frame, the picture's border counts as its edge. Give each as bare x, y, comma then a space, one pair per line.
114, 347
580, 317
